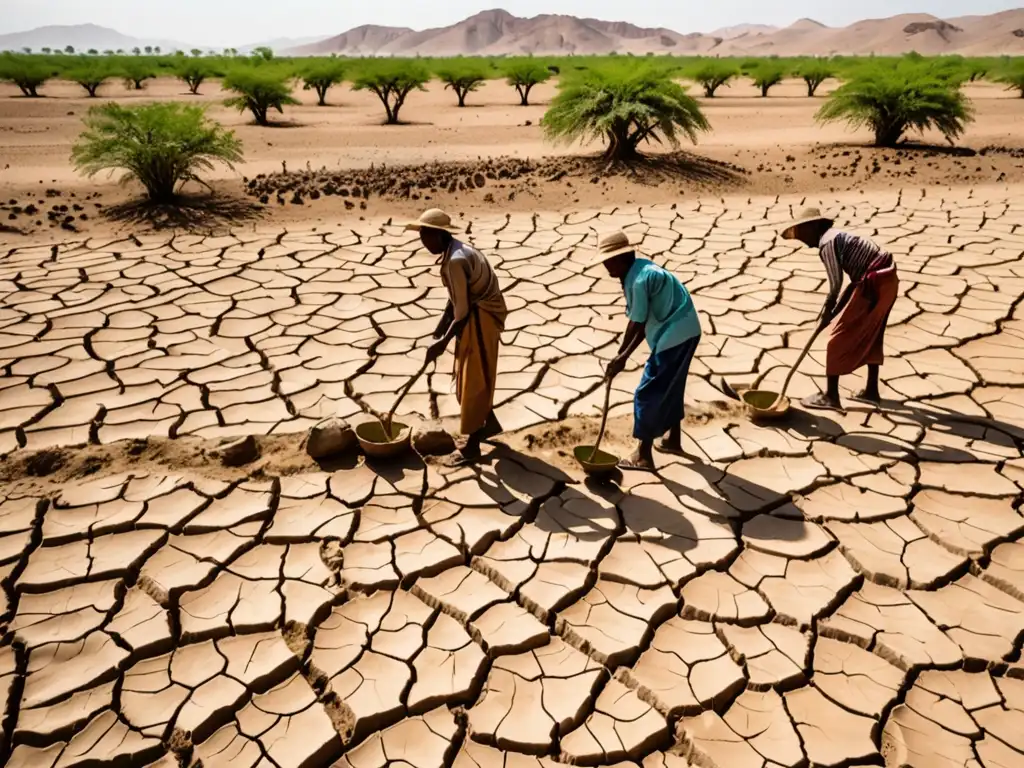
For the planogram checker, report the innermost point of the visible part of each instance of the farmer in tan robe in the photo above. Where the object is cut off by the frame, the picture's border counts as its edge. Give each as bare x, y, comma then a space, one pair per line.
474, 317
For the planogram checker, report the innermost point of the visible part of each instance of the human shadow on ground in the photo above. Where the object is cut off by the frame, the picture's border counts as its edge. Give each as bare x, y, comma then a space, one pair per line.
188, 212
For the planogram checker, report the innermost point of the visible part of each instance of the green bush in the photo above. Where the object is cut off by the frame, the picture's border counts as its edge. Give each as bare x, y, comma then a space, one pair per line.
625, 108
321, 76
193, 73
392, 81
462, 78
712, 75
893, 100
26, 72
1013, 78
767, 75
814, 74
90, 75
524, 75
162, 146
259, 91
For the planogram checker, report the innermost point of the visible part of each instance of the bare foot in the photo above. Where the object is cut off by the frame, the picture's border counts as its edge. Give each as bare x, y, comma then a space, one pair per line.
670, 446
637, 463
821, 402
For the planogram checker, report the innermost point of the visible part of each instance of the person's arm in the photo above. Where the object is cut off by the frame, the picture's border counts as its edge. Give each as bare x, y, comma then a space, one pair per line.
637, 309
459, 280
447, 317
830, 258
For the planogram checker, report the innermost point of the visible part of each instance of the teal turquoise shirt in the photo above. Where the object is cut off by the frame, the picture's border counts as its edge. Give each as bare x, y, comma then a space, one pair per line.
656, 298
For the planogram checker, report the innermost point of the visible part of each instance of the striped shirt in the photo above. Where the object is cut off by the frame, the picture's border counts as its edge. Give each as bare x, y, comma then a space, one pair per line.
842, 252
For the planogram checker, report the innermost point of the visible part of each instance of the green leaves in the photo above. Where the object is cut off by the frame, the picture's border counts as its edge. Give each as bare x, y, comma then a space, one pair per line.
160, 145
392, 81
624, 108
712, 75
462, 78
259, 90
891, 100
321, 75
524, 74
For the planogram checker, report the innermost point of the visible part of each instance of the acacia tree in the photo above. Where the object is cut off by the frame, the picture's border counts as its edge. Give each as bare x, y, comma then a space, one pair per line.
26, 73
893, 100
136, 72
524, 75
161, 145
392, 81
321, 76
767, 75
814, 74
1013, 79
625, 108
462, 78
712, 75
193, 73
89, 75
259, 91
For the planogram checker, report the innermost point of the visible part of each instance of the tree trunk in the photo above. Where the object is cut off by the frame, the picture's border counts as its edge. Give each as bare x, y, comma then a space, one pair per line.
461, 93
764, 91
524, 94
321, 91
811, 88
888, 134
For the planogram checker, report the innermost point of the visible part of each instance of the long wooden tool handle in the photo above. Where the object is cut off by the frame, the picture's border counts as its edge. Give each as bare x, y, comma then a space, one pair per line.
402, 394
789, 376
604, 419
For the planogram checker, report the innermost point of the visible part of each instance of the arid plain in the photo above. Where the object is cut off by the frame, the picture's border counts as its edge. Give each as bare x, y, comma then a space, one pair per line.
840, 589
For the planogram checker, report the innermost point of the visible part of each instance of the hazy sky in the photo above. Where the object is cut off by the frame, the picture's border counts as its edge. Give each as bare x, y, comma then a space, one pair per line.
238, 22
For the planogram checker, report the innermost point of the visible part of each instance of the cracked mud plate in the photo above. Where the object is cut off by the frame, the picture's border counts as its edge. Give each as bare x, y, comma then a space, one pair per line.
374, 441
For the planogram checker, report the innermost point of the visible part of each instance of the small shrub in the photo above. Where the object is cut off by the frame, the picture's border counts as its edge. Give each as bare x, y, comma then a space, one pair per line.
893, 100
193, 74
90, 75
814, 74
259, 91
463, 79
712, 75
524, 75
162, 146
625, 108
1013, 78
768, 75
321, 76
392, 81
26, 73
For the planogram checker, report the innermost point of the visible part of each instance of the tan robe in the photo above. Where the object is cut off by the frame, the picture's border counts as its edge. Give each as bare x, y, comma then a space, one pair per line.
859, 333
474, 293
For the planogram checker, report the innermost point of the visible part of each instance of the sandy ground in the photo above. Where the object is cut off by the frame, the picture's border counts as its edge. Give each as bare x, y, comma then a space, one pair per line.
774, 142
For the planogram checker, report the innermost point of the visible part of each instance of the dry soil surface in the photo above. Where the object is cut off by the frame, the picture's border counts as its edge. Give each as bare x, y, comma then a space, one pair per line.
836, 589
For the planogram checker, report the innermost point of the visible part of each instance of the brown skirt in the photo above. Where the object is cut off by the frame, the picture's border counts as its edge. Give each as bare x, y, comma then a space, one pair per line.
858, 335
476, 368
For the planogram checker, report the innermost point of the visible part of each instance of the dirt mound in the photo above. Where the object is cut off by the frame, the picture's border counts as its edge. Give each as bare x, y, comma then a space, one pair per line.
495, 178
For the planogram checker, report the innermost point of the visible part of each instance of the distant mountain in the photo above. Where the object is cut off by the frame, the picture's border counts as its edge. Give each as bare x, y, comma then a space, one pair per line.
280, 44
82, 37
499, 33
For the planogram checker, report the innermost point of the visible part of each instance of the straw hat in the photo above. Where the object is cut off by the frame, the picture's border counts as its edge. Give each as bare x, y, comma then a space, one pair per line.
611, 245
433, 219
809, 216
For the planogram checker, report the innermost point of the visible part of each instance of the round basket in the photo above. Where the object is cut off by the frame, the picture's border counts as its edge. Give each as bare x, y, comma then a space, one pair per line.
599, 464
759, 404
376, 443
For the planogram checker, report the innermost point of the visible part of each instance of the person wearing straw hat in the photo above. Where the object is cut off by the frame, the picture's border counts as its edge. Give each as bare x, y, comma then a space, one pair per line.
475, 317
863, 310
660, 310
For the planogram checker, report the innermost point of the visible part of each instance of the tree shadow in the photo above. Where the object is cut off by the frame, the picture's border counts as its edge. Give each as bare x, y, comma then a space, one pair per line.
911, 147
203, 211
671, 166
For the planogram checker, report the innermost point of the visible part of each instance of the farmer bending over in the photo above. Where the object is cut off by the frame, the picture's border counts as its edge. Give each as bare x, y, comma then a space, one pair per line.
474, 317
858, 335
659, 308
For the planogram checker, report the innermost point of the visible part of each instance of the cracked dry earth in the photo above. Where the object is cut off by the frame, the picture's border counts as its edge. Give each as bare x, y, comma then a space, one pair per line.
834, 590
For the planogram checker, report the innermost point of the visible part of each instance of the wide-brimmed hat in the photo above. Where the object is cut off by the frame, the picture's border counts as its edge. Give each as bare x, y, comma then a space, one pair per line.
809, 216
609, 246
433, 219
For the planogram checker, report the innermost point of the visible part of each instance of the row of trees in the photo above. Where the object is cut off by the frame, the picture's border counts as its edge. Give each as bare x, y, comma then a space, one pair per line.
463, 76
163, 145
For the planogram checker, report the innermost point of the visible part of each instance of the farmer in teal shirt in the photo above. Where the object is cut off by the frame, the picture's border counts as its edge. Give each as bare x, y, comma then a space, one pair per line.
659, 308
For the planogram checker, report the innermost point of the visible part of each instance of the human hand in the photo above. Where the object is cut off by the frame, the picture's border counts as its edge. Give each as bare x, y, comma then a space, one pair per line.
616, 366
434, 351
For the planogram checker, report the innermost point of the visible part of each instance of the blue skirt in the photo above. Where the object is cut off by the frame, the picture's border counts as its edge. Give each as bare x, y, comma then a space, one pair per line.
658, 403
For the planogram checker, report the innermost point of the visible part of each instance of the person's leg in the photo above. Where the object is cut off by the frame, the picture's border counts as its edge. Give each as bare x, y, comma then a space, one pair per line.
676, 395
674, 442
870, 393
646, 419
